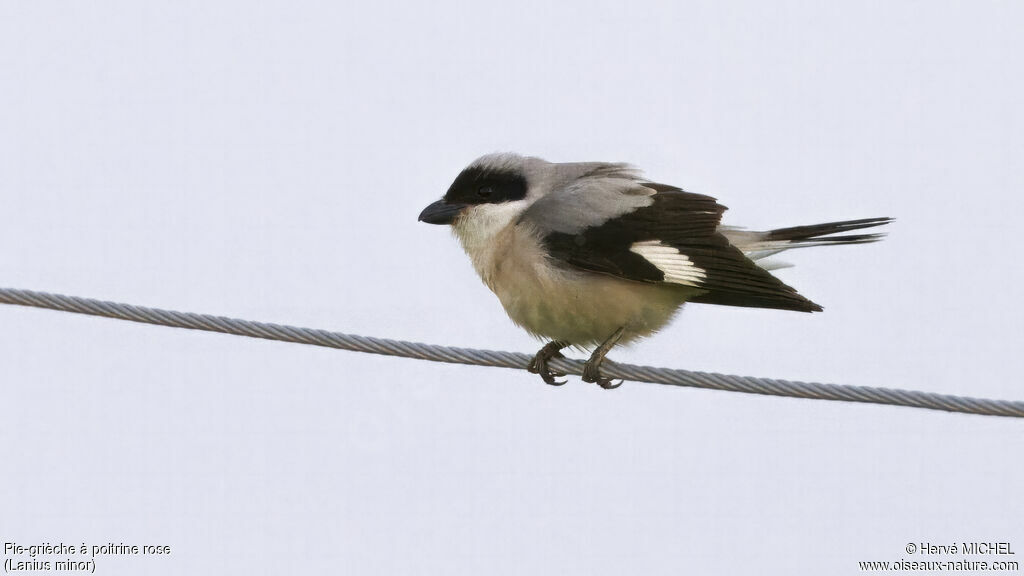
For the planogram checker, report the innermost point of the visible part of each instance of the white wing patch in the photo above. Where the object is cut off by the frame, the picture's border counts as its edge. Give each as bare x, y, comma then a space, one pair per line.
678, 269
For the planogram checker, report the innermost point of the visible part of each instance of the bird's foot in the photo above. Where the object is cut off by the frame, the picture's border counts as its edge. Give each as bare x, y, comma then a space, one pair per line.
539, 364
592, 373
592, 369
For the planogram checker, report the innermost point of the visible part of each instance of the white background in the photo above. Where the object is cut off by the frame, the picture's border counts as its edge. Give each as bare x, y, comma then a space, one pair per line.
268, 161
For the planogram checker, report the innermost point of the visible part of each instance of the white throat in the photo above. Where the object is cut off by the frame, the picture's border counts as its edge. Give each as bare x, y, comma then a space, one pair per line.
477, 229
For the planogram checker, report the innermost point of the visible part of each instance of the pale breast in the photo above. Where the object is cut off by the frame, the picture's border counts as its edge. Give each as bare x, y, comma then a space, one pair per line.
548, 298
553, 301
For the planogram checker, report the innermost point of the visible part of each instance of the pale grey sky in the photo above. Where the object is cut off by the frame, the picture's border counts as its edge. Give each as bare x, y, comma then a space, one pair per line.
268, 161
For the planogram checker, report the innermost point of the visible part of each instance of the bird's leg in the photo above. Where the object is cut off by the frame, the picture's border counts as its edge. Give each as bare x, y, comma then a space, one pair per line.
539, 364
592, 369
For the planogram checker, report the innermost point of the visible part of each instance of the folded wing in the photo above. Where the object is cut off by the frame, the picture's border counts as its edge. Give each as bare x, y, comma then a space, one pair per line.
648, 232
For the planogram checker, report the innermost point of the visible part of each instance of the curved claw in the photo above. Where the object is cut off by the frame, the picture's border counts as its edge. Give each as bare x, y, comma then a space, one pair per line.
547, 375
549, 378
539, 364
592, 373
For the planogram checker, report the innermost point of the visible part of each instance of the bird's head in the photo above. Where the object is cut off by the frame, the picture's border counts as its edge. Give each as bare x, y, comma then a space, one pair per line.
494, 179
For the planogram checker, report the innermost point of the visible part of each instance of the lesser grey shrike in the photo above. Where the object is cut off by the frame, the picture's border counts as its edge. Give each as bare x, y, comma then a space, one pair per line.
591, 254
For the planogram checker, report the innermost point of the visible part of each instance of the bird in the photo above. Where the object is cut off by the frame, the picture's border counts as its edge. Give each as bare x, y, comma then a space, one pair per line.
590, 255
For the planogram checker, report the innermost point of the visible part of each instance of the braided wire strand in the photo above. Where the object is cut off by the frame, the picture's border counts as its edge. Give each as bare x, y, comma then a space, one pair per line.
472, 356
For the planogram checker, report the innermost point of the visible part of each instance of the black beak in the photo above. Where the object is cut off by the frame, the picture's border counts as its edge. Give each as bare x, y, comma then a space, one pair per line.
440, 212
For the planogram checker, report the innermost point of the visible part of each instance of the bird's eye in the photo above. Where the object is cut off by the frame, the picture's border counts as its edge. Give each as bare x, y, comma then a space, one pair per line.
485, 191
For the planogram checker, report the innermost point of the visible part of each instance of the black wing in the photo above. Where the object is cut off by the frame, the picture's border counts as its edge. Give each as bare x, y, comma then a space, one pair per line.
688, 223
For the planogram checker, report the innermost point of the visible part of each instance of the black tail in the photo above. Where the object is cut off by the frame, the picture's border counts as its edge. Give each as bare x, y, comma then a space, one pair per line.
751, 290
816, 233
